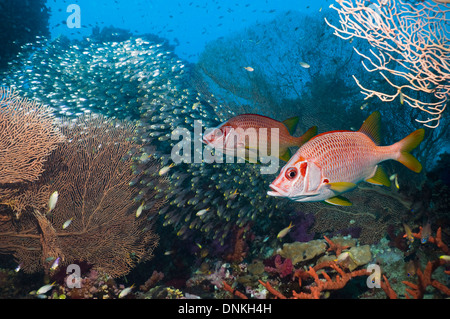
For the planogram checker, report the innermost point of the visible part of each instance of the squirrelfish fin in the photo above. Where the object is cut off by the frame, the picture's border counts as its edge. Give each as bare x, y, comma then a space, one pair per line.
338, 201
371, 127
309, 134
291, 124
341, 187
407, 145
286, 156
379, 177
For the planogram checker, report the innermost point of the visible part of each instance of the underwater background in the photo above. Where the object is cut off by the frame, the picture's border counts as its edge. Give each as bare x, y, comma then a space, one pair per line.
92, 203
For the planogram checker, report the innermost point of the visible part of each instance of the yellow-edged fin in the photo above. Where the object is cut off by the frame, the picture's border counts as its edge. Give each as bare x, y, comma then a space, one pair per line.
379, 178
338, 201
286, 156
341, 187
371, 127
309, 134
291, 124
407, 145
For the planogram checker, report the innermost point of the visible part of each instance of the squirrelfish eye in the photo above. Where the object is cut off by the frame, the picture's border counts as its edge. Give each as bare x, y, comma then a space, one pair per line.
291, 173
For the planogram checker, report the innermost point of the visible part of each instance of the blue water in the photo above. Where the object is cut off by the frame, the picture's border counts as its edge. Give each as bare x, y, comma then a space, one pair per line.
188, 24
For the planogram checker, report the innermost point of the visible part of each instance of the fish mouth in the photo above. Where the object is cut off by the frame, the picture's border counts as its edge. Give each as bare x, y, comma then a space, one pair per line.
277, 192
205, 140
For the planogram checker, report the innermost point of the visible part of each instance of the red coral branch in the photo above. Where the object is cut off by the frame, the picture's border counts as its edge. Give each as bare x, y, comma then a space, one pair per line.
337, 248
434, 240
390, 293
272, 290
339, 281
424, 279
235, 292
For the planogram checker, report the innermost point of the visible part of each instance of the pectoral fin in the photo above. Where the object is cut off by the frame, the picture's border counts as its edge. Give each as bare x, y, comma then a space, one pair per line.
338, 201
341, 187
379, 177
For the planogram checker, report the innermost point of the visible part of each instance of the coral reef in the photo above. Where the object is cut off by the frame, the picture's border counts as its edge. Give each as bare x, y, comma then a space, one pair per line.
106, 171
28, 135
92, 172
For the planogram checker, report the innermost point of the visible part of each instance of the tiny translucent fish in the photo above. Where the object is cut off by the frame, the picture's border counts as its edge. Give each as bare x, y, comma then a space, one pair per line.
126, 291
401, 97
304, 65
19, 266
202, 212
249, 68
67, 223
182, 230
233, 195
165, 169
139, 210
445, 258
45, 289
55, 264
426, 232
285, 231
169, 252
364, 105
394, 177
52, 201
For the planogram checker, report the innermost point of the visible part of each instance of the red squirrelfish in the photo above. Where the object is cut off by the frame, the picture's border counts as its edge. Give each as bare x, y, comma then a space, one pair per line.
333, 163
249, 123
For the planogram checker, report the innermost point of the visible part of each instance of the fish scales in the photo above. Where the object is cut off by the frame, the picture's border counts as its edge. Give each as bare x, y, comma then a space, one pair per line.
344, 156
247, 121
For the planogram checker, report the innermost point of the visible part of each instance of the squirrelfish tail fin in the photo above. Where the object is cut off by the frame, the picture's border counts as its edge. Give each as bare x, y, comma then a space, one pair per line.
406, 145
310, 133
291, 124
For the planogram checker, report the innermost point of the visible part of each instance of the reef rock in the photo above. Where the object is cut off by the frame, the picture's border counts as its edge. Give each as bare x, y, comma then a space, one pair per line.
361, 255
298, 251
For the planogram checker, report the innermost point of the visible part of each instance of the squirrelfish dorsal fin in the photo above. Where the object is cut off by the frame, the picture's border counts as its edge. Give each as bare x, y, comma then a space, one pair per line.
371, 127
291, 124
